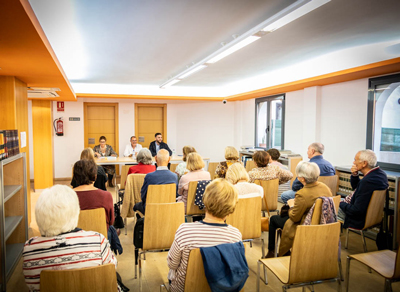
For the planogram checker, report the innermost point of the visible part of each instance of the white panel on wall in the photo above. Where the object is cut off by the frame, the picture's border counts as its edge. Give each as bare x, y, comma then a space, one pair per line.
294, 114
126, 124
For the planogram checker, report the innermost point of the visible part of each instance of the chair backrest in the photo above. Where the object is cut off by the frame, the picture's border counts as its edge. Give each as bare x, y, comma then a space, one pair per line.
134, 183
331, 182
212, 166
250, 164
336, 201
173, 167
247, 217
315, 253
316, 217
161, 194
93, 220
271, 188
191, 208
100, 278
160, 224
124, 175
375, 209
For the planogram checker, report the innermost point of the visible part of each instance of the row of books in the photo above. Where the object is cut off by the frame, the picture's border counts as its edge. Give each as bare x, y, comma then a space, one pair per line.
9, 143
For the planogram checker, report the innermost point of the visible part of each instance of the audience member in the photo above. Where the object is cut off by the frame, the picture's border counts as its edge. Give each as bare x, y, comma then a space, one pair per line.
195, 166
265, 171
220, 199
181, 168
158, 144
145, 163
238, 176
231, 156
101, 177
307, 173
89, 196
61, 245
159, 177
275, 154
354, 208
103, 150
314, 153
133, 148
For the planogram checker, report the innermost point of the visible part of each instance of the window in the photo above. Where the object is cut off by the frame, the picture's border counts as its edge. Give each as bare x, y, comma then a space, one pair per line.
270, 117
383, 125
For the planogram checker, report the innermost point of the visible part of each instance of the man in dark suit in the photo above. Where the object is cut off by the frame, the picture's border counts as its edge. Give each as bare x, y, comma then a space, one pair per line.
159, 177
158, 144
354, 207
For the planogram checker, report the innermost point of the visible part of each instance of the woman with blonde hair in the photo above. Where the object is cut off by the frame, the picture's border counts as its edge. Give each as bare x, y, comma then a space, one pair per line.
237, 175
231, 156
220, 199
101, 177
195, 166
181, 169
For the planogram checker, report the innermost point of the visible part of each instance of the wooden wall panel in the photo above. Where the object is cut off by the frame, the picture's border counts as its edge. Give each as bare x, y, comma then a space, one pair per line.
42, 143
7, 100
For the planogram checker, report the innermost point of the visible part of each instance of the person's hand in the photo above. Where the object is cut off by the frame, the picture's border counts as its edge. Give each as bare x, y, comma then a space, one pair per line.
96, 154
354, 170
130, 155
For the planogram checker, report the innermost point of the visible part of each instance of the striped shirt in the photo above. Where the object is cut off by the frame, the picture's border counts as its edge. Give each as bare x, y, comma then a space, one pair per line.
195, 235
73, 250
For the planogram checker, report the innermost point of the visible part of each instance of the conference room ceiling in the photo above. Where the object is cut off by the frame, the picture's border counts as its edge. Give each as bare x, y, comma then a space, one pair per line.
133, 46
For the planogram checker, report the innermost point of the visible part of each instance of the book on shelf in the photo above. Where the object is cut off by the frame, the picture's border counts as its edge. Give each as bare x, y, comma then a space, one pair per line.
9, 143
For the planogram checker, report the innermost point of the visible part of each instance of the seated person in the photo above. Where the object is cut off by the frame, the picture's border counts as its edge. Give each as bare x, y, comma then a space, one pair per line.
274, 156
181, 168
158, 144
133, 148
145, 163
61, 245
266, 171
161, 176
307, 173
101, 178
231, 156
89, 196
220, 199
237, 175
314, 153
354, 208
103, 150
195, 165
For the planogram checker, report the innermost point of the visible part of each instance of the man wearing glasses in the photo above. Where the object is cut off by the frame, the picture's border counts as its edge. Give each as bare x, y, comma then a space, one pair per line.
133, 148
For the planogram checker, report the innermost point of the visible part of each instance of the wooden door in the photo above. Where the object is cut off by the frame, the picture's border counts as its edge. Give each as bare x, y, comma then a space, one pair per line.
150, 119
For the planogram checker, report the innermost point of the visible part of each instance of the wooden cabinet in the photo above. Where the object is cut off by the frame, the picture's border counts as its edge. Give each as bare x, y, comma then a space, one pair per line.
13, 213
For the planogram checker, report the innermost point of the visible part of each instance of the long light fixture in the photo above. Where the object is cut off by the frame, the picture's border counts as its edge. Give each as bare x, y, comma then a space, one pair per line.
283, 17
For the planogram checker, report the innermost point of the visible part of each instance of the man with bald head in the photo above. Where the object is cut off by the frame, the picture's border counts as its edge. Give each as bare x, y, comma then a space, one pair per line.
314, 153
161, 176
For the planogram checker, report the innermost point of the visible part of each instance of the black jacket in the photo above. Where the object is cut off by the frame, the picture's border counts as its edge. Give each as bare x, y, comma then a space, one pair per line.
163, 145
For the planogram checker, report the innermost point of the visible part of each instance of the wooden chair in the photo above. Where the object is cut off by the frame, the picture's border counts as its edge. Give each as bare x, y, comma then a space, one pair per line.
124, 175
331, 182
271, 192
160, 225
250, 164
191, 208
93, 220
100, 279
212, 166
313, 259
173, 167
385, 262
161, 194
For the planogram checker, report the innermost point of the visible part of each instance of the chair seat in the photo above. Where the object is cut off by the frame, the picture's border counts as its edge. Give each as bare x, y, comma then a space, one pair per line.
279, 267
383, 262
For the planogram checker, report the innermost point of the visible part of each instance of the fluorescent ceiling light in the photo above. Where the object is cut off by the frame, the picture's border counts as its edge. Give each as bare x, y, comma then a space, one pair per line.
233, 49
169, 83
299, 12
194, 70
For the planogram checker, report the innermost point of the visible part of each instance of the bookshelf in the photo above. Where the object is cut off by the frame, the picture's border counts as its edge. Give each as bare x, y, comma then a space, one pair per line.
13, 214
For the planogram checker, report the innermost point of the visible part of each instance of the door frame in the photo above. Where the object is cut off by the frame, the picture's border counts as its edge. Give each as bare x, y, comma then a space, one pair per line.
164, 106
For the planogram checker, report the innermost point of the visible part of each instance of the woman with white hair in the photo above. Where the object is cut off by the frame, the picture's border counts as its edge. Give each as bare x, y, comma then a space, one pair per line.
145, 163
238, 176
307, 173
61, 245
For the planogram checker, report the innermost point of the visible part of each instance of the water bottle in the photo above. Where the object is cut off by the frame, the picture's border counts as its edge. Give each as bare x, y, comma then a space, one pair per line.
173, 152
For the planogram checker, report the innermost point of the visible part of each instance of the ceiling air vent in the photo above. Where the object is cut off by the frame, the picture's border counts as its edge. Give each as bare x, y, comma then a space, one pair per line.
49, 92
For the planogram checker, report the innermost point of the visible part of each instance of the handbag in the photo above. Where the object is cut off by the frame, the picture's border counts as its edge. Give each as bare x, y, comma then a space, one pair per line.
265, 220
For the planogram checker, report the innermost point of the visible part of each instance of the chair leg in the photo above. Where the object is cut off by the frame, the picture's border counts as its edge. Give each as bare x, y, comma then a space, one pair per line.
365, 247
339, 285
340, 269
258, 276
347, 238
388, 285
348, 274
136, 261
140, 273
126, 229
262, 248
251, 243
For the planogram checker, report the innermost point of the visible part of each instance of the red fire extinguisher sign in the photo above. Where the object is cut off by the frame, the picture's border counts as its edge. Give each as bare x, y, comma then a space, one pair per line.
60, 106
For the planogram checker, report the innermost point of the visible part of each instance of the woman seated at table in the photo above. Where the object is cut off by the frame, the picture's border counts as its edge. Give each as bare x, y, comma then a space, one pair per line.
181, 169
145, 162
307, 173
231, 156
195, 166
237, 175
220, 199
103, 150
101, 178
265, 171
89, 196
61, 245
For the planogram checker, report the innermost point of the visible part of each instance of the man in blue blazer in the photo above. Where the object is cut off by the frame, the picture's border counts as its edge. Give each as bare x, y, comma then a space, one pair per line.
354, 208
161, 176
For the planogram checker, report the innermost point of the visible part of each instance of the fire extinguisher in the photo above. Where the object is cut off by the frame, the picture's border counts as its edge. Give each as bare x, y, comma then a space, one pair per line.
60, 127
